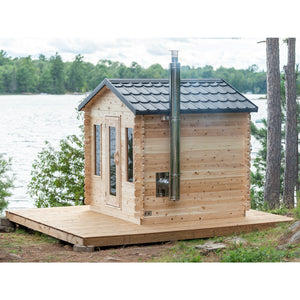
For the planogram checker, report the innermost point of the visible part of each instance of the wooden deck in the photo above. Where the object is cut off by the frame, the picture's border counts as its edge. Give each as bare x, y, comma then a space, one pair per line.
82, 226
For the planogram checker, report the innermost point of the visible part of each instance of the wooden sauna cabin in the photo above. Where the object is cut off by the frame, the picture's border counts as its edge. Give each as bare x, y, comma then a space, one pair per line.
128, 141
172, 157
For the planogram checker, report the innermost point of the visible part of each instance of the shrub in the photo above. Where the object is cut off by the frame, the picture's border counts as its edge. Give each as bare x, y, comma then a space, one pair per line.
58, 175
6, 182
296, 210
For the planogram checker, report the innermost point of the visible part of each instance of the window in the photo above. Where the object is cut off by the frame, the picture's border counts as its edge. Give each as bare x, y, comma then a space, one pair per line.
112, 162
162, 184
129, 138
97, 130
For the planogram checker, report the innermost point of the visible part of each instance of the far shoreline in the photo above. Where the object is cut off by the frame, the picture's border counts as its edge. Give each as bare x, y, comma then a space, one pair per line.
36, 94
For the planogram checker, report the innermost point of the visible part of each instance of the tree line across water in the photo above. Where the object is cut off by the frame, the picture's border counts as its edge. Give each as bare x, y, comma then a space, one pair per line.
54, 76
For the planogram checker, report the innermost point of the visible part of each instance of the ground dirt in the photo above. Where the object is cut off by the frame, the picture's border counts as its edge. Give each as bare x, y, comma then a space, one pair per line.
21, 246
25, 245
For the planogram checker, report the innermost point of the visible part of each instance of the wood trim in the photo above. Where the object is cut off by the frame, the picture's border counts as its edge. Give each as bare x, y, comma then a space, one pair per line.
139, 165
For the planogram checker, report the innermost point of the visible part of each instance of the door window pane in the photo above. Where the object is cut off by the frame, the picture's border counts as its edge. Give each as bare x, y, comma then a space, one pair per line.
112, 163
130, 154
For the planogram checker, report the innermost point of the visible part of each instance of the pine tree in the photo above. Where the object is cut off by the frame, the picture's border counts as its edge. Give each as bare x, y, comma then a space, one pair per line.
272, 183
290, 171
57, 73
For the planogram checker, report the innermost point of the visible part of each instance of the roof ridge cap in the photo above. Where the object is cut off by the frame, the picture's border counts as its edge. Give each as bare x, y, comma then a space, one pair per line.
162, 79
138, 79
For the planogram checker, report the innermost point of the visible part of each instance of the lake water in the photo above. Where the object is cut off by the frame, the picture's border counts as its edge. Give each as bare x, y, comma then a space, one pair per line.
26, 121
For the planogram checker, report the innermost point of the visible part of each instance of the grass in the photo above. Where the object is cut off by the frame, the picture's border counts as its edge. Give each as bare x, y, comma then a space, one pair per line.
284, 211
259, 246
22, 237
262, 253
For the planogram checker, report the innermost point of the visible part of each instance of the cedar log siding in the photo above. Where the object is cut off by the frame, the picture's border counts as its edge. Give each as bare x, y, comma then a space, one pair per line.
105, 104
214, 162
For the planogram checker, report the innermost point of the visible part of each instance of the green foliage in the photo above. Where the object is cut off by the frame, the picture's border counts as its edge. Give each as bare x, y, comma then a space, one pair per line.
57, 73
280, 211
296, 211
263, 253
184, 252
257, 177
26, 75
3, 58
76, 75
259, 163
58, 175
53, 76
6, 181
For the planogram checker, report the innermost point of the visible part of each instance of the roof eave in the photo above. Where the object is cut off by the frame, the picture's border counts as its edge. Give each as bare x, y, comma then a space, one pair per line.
202, 111
97, 89
256, 107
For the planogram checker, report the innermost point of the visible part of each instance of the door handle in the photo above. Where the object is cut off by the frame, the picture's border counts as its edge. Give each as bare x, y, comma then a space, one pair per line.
116, 158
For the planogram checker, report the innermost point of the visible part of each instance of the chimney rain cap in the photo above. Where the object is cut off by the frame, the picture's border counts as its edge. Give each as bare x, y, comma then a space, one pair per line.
174, 54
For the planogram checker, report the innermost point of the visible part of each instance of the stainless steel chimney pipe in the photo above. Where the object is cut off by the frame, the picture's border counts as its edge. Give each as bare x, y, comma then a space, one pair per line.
174, 83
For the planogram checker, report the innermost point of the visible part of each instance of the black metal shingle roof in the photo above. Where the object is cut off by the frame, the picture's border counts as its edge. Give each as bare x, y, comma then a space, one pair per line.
151, 96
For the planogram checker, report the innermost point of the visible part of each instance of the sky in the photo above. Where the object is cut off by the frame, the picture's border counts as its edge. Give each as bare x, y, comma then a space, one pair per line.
216, 33
239, 53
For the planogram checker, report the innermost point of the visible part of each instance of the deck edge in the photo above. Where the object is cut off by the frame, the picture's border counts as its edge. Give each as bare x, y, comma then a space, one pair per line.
44, 228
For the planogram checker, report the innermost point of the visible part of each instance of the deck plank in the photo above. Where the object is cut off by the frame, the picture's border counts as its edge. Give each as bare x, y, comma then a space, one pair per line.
81, 225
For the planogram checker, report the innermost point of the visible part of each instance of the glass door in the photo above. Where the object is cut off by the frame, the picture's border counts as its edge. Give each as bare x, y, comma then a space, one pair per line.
113, 174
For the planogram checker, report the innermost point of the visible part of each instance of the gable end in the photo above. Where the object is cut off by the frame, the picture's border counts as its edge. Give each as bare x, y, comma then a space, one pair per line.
104, 83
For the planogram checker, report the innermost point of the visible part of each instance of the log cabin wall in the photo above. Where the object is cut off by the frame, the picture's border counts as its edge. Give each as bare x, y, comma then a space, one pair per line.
107, 104
215, 167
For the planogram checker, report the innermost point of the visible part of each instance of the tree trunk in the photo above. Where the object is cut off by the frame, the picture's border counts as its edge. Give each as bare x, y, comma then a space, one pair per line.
297, 167
272, 183
290, 171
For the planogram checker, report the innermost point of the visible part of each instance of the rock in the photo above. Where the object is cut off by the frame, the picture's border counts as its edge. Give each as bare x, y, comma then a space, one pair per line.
6, 225
210, 246
282, 247
4, 221
294, 226
2, 255
236, 240
295, 239
112, 259
67, 247
6, 229
15, 255
81, 248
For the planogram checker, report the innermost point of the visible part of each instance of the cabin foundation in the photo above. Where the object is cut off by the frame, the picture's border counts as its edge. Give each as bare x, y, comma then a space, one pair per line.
81, 248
